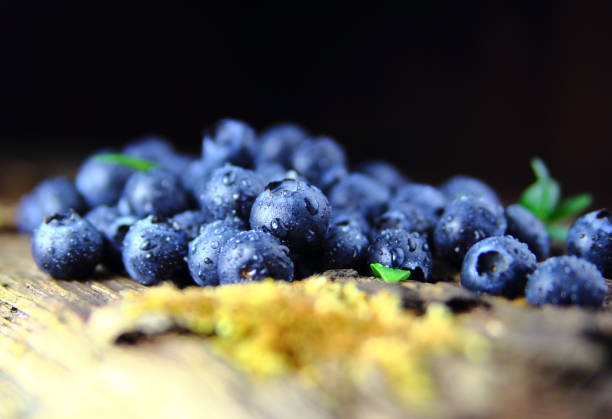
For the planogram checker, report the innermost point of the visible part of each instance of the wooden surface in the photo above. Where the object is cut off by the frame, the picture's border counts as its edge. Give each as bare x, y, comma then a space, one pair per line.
547, 362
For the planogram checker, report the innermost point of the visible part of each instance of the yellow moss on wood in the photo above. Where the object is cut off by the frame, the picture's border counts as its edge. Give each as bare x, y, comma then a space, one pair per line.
270, 329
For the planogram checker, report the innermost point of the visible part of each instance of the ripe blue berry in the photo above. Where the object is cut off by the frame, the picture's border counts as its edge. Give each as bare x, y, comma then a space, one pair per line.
189, 222
465, 221
384, 172
154, 251
156, 192
295, 212
406, 216
278, 142
204, 250
566, 280
153, 148
402, 250
67, 246
498, 266
232, 142
466, 185
430, 199
360, 192
271, 172
231, 191
313, 157
591, 238
101, 182
55, 195
523, 225
253, 256
113, 226
344, 247
352, 219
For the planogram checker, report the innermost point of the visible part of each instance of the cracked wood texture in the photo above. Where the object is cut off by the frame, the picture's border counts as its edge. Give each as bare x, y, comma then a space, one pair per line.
549, 362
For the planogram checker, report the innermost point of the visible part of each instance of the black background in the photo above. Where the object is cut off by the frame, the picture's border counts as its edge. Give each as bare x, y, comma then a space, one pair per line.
439, 87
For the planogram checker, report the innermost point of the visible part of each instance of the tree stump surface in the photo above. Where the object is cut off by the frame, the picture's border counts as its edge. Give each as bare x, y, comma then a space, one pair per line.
546, 362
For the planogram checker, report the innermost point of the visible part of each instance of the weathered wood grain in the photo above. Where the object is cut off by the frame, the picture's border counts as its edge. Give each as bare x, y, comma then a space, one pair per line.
547, 362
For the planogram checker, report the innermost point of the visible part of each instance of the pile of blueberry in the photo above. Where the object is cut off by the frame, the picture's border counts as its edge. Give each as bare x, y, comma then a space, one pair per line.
284, 204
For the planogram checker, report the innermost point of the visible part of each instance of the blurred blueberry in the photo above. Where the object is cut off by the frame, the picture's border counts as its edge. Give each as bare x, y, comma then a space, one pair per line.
54, 195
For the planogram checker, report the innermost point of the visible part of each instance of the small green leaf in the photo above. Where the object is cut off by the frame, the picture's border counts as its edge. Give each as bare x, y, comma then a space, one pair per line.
389, 274
558, 232
541, 198
539, 168
125, 160
571, 207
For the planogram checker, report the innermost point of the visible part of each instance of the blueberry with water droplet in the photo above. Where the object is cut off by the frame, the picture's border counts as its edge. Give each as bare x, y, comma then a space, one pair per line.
454, 233
523, 225
204, 250
230, 191
400, 249
498, 266
59, 248
591, 238
156, 192
567, 280
253, 256
361, 193
294, 211
154, 251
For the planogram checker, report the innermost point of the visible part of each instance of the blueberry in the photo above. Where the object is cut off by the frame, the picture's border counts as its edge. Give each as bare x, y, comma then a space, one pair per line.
344, 247
331, 177
566, 280
407, 216
278, 142
101, 182
313, 157
113, 226
466, 185
154, 251
401, 250
157, 192
230, 191
232, 142
353, 219
271, 172
292, 210
196, 174
523, 225
384, 172
49, 197
430, 199
66, 246
591, 238
465, 221
151, 148
189, 222
498, 266
204, 250
253, 256
360, 192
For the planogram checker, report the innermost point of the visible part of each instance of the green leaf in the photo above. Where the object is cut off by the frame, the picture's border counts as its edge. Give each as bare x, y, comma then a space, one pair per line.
539, 169
125, 160
389, 274
558, 232
541, 198
571, 207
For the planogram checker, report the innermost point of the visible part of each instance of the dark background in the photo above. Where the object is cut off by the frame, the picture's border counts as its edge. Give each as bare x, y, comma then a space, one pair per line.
439, 88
